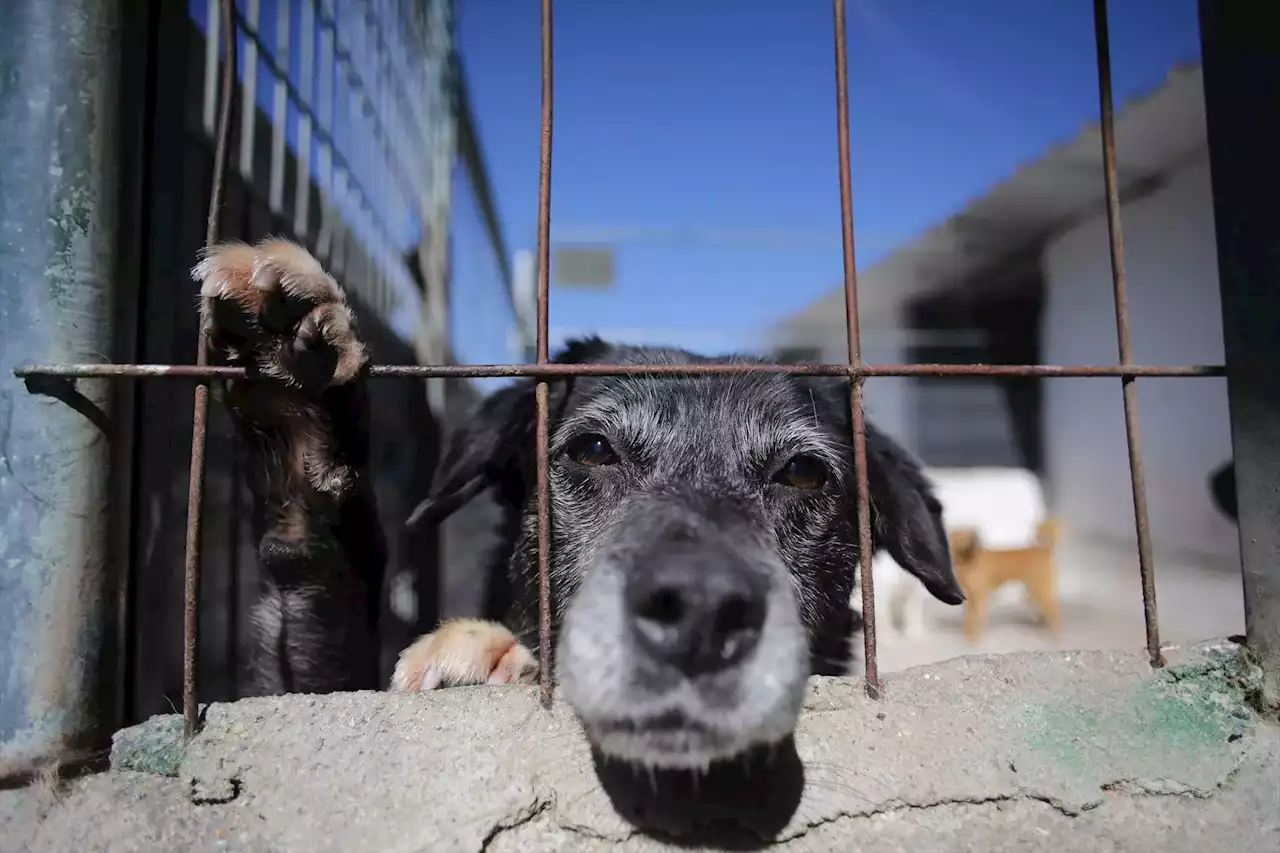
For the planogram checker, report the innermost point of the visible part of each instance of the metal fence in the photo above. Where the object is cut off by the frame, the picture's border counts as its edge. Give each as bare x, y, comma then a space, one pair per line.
1239, 72
138, 155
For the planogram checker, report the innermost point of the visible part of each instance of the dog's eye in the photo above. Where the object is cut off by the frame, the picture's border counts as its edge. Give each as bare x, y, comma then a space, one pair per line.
591, 449
803, 472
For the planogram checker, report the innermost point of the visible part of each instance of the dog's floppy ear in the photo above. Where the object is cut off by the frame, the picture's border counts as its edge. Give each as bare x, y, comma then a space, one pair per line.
907, 517
482, 451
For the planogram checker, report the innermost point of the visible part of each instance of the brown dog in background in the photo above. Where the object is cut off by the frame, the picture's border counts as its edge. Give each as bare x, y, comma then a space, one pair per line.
981, 571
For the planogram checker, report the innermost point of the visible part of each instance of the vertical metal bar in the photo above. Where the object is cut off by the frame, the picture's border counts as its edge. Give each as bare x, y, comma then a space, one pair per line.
306, 86
1116, 238
199, 418
544, 259
338, 226
865, 580
324, 117
279, 108
213, 31
248, 91
1241, 55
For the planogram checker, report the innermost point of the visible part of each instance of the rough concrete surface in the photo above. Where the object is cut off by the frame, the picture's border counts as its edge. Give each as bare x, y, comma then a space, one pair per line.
1038, 751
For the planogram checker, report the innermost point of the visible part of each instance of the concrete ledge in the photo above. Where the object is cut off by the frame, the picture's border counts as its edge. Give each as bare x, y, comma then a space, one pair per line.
1083, 751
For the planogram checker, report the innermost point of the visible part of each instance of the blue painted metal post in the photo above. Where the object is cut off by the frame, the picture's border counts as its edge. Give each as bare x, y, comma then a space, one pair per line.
59, 203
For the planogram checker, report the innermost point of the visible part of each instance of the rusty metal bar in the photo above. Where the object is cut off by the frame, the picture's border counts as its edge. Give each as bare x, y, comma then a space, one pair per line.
542, 437
1137, 472
473, 371
852, 325
200, 413
866, 581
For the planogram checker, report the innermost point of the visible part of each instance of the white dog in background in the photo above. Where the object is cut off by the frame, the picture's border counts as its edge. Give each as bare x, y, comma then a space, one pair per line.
897, 605
1003, 504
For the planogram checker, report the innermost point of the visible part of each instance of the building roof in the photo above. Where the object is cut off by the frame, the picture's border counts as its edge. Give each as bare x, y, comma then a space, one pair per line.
1155, 132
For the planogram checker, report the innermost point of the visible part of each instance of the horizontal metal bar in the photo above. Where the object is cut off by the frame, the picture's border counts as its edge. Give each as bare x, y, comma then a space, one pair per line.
468, 371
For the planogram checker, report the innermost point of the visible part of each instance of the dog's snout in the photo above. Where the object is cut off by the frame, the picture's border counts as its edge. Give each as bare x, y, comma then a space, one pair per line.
696, 612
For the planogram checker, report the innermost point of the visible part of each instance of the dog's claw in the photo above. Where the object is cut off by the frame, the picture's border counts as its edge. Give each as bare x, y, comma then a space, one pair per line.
461, 652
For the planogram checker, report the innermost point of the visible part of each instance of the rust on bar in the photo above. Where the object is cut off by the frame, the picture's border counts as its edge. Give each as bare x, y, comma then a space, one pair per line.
544, 550
542, 435
866, 582
200, 412
457, 371
864, 544
852, 326
1137, 472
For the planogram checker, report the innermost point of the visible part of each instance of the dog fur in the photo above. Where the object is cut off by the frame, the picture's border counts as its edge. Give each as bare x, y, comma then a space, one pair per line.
703, 532
981, 571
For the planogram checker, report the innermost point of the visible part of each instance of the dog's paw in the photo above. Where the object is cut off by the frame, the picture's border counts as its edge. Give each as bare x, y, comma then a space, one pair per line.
275, 307
464, 651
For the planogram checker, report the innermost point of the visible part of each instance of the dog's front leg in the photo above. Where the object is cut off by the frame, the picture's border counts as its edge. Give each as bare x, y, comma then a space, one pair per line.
303, 426
464, 651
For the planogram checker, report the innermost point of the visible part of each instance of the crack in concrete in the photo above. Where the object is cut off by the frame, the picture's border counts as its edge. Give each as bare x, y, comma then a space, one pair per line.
1170, 787
899, 806
527, 814
1126, 787
545, 804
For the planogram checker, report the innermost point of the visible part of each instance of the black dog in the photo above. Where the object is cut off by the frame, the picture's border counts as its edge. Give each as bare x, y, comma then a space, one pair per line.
703, 528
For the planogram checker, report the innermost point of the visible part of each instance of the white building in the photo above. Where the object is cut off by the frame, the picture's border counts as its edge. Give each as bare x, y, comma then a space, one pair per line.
1023, 274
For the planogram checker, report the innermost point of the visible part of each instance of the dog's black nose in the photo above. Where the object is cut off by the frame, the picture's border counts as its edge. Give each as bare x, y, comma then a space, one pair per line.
696, 612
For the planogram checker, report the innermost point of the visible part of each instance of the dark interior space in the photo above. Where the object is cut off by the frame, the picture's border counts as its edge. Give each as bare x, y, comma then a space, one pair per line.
954, 414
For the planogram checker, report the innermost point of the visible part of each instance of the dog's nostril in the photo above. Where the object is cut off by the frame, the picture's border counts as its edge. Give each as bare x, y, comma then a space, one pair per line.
665, 606
733, 615
735, 628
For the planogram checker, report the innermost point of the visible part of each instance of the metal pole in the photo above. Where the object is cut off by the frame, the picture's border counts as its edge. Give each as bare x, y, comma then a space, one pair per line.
1241, 54
60, 62
542, 392
1120, 287
866, 582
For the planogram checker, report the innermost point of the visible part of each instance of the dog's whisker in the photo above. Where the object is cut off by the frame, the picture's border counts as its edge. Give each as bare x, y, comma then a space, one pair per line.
845, 789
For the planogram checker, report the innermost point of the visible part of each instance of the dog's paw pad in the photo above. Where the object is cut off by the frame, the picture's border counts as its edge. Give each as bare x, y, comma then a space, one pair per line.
461, 652
276, 304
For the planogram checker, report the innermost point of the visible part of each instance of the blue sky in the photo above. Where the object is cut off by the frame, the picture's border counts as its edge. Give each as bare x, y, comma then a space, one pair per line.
719, 114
